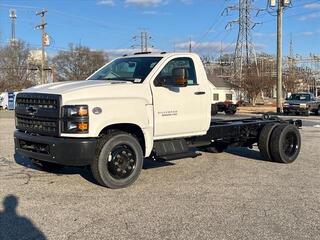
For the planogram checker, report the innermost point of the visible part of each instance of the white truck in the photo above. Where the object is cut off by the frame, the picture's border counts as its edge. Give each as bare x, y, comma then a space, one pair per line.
135, 107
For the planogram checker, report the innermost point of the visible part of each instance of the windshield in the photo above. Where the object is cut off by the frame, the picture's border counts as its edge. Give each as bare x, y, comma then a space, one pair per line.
300, 97
134, 69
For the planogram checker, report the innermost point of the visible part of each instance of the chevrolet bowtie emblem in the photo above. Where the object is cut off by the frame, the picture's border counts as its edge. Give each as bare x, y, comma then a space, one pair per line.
32, 110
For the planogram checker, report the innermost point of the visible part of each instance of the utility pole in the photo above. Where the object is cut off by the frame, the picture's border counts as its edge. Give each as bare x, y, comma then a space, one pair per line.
13, 17
279, 56
190, 45
42, 27
142, 41
221, 53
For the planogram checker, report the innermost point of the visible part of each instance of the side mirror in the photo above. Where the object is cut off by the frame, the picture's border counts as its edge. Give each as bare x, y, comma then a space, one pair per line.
180, 76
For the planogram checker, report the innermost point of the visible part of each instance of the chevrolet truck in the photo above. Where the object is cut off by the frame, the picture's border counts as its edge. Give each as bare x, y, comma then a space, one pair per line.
302, 103
155, 106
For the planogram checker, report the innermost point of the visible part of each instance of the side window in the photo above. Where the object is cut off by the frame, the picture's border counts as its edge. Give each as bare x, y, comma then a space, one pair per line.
216, 97
166, 74
228, 97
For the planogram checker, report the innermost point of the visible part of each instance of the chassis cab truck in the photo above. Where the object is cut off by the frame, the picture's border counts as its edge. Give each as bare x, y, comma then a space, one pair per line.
145, 105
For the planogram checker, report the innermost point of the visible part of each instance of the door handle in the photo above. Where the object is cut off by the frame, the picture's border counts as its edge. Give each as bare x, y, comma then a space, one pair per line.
200, 93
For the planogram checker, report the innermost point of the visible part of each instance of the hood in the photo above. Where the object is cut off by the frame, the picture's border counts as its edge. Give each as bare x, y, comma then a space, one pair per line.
72, 86
82, 92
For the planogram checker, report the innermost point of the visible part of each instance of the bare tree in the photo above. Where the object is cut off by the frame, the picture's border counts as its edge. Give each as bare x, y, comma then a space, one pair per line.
77, 63
14, 72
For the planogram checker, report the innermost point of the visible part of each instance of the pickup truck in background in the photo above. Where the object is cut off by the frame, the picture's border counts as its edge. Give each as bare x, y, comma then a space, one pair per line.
302, 103
155, 106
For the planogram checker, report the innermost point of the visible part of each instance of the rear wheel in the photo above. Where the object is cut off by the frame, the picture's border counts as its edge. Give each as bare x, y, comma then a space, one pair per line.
307, 112
231, 110
119, 160
285, 143
264, 140
318, 111
214, 109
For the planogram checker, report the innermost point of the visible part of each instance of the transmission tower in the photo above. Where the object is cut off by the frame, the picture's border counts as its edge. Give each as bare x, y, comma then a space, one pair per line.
13, 17
144, 41
245, 55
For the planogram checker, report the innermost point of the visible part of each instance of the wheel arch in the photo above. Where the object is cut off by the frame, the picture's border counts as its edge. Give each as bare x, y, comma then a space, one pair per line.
135, 130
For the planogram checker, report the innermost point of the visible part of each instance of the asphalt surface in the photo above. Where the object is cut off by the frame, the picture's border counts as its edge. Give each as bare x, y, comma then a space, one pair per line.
232, 195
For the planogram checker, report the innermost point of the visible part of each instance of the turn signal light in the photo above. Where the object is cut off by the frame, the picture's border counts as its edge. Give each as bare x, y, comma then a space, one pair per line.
83, 126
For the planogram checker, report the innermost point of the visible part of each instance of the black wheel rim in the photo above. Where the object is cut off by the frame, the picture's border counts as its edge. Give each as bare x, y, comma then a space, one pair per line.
291, 144
121, 162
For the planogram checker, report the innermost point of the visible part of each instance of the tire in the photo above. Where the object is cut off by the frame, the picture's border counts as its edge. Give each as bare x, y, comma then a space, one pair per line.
214, 109
307, 112
264, 140
48, 166
118, 161
231, 110
285, 143
318, 111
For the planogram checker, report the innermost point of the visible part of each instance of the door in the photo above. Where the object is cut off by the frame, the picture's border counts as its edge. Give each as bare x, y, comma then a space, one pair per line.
178, 111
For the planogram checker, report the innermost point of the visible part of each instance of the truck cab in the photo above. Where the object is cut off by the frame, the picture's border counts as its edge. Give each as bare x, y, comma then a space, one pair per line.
144, 105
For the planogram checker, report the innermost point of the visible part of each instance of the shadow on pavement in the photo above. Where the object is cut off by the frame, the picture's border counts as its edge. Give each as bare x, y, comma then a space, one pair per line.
15, 227
84, 172
149, 164
245, 152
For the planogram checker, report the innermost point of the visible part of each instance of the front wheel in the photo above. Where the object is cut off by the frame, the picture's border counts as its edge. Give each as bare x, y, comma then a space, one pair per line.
119, 160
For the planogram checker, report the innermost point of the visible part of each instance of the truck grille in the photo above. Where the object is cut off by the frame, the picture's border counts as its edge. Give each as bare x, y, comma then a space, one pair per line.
32, 125
39, 103
38, 113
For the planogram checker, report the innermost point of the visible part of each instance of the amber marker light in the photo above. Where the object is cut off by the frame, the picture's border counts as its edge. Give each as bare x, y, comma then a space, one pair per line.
83, 126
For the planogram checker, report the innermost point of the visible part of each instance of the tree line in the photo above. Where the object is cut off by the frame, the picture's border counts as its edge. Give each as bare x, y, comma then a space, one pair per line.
19, 69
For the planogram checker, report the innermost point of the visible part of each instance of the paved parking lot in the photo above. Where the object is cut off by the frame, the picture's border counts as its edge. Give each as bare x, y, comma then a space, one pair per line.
233, 195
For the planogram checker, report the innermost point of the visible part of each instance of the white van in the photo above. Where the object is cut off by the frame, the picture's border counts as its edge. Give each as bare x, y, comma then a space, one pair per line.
4, 100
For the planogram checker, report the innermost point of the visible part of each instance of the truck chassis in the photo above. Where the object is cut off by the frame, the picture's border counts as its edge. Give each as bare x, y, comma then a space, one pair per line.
116, 156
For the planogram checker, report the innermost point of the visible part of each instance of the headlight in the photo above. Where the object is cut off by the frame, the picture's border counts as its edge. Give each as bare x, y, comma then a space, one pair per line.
303, 105
75, 119
286, 104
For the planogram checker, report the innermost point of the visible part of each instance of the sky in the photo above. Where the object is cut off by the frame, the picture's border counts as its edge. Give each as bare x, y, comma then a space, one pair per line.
111, 25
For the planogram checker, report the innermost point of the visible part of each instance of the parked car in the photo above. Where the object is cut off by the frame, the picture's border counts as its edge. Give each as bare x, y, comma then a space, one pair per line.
301, 103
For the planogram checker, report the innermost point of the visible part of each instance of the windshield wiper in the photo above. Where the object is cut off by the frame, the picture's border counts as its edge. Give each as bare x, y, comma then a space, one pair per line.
118, 79
134, 80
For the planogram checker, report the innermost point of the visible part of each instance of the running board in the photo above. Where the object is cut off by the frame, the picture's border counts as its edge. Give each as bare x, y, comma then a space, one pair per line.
170, 157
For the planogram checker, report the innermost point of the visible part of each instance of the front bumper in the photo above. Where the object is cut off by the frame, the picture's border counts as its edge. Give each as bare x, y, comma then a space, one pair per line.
65, 151
294, 109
